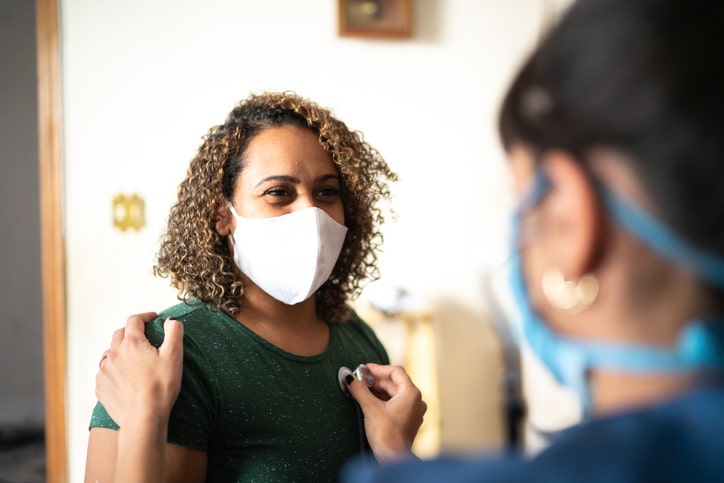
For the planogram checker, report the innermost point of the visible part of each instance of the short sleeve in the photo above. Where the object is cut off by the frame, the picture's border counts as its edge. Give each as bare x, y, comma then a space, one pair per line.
192, 416
101, 419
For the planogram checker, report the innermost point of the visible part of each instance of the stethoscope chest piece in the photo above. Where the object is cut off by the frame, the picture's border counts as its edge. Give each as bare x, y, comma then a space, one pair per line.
361, 373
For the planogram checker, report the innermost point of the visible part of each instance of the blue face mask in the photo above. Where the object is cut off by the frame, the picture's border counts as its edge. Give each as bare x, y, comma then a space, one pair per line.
701, 343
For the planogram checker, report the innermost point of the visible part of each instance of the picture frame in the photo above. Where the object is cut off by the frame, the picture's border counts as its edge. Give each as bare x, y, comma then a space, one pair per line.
391, 19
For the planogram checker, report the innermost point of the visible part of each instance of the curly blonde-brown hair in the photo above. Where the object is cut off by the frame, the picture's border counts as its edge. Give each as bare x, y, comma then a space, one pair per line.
198, 260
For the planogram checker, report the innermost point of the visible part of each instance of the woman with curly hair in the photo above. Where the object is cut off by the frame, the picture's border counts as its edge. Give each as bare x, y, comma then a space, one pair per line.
276, 227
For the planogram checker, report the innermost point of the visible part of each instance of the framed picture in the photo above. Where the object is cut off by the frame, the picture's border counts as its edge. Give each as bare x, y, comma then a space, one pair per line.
375, 18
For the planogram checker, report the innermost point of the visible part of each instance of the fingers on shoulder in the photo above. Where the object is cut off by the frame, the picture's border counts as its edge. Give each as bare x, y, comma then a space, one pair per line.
143, 318
136, 324
173, 339
173, 329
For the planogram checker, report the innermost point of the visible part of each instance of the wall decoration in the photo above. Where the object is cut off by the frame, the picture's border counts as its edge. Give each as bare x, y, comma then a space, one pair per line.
375, 18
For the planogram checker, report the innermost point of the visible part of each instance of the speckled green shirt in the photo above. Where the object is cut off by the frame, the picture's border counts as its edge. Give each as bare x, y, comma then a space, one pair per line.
260, 413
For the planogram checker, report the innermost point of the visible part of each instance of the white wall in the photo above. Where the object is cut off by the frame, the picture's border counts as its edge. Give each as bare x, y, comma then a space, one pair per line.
143, 81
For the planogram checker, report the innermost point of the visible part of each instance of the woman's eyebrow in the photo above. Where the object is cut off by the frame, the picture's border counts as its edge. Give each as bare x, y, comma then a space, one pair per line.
326, 177
279, 177
291, 179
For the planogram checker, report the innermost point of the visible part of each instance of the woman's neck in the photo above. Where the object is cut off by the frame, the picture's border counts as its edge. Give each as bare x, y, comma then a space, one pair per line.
294, 328
642, 302
613, 392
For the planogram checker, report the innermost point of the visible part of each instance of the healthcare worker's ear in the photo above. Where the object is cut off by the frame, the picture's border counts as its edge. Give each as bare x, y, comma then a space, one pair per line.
573, 215
224, 221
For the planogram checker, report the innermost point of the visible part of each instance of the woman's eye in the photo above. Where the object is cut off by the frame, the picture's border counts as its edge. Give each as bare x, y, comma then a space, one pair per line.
329, 192
277, 192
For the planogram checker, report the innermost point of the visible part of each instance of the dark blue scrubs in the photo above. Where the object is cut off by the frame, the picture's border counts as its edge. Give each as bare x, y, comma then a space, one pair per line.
681, 440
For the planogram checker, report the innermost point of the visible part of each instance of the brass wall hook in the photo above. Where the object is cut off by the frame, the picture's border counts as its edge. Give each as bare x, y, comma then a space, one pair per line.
129, 212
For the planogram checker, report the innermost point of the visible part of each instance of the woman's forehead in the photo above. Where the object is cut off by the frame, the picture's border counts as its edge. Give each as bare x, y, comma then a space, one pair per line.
285, 150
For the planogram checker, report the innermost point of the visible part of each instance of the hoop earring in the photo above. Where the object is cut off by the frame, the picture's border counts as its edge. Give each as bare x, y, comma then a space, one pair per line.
568, 295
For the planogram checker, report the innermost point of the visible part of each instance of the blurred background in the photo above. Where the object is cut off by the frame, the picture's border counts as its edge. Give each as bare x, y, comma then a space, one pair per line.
141, 81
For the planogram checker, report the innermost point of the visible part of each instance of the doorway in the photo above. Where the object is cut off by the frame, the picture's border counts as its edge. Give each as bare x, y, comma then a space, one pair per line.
32, 332
22, 413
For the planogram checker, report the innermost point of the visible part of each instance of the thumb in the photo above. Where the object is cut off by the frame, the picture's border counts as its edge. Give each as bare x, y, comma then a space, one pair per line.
172, 345
362, 394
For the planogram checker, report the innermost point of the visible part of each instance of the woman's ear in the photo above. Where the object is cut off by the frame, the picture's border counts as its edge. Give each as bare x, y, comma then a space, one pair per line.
224, 221
574, 214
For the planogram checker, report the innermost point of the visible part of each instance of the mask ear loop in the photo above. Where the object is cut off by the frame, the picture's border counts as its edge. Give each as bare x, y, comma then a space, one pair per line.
534, 193
661, 239
230, 206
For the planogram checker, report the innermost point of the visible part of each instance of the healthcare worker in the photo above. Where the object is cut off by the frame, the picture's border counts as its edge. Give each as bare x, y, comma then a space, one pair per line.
616, 145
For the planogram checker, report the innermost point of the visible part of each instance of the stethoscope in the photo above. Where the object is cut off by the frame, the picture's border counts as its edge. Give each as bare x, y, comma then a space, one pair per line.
361, 373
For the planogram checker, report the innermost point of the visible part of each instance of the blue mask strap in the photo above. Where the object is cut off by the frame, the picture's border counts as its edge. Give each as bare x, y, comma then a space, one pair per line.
700, 348
704, 265
538, 187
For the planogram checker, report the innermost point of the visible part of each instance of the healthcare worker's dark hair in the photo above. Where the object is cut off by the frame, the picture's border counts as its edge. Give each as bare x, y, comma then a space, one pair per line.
645, 77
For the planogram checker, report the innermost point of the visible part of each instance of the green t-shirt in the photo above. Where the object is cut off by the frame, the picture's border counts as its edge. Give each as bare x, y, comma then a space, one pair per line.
262, 414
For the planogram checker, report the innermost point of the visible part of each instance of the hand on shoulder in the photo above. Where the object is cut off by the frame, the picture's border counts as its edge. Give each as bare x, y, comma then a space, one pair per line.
134, 374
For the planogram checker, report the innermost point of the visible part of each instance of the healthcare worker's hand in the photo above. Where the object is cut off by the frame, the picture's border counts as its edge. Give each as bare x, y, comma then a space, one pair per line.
393, 411
135, 376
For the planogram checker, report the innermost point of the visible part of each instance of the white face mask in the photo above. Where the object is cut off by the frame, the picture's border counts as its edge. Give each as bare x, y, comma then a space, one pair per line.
289, 256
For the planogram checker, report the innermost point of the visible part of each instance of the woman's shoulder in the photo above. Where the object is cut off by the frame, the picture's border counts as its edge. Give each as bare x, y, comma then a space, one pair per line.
357, 332
198, 318
354, 323
186, 310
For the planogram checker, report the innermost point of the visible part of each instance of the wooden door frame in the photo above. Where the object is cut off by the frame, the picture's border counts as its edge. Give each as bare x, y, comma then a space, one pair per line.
52, 245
